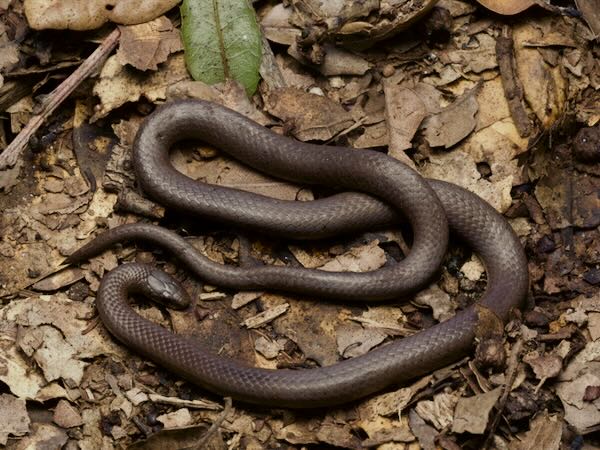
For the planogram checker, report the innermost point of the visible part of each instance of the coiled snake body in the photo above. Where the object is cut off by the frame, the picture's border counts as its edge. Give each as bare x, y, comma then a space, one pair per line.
430, 206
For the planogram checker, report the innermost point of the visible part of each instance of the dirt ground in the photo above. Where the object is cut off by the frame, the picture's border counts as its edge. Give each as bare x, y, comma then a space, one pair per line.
505, 105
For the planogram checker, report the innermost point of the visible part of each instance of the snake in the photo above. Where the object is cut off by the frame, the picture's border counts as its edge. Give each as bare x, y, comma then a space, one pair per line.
375, 190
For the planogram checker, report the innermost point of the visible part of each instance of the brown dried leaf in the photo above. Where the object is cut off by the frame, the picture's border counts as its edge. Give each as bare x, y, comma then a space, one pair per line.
424, 432
91, 14
311, 117
276, 25
507, 7
146, 45
66, 416
44, 435
471, 413
545, 87
544, 432
590, 9
316, 338
439, 301
406, 105
118, 85
580, 414
460, 168
176, 419
453, 123
313, 431
13, 417
439, 411
353, 340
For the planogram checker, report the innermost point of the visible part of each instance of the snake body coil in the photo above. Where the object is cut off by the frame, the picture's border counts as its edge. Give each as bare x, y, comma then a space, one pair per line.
430, 206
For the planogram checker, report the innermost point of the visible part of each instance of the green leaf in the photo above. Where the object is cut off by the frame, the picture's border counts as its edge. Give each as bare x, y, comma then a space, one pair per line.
222, 40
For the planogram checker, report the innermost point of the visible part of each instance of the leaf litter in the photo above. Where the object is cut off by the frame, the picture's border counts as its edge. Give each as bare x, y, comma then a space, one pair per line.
463, 96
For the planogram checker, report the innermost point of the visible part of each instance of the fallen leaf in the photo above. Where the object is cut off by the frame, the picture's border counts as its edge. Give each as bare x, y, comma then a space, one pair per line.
353, 340
406, 105
460, 168
149, 44
276, 25
316, 338
88, 15
358, 259
477, 57
472, 413
453, 123
383, 430
44, 435
321, 118
424, 432
66, 416
58, 280
439, 411
544, 86
222, 41
336, 61
118, 85
176, 419
590, 9
186, 437
545, 431
312, 431
580, 414
13, 417
269, 348
439, 301
507, 7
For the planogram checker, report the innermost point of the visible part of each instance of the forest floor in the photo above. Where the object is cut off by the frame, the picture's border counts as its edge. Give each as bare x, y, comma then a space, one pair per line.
507, 106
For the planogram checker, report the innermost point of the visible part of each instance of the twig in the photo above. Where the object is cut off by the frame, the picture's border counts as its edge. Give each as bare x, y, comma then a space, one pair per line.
11, 154
215, 426
511, 374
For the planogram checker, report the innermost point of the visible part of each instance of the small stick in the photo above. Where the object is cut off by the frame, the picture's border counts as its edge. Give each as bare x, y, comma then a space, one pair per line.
11, 154
215, 426
511, 374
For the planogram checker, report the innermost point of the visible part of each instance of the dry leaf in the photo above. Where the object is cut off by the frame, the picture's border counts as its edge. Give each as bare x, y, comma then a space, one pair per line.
118, 85
507, 7
544, 86
439, 411
544, 432
66, 415
311, 116
453, 123
439, 301
424, 432
406, 106
590, 9
471, 414
580, 414
176, 419
91, 14
353, 340
146, 45
44, 435
13, 417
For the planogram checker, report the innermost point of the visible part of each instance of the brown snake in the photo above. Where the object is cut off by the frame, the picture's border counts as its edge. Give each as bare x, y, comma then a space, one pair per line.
428, 205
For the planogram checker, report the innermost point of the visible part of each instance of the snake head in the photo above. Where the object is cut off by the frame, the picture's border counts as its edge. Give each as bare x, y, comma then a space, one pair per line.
164, 289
